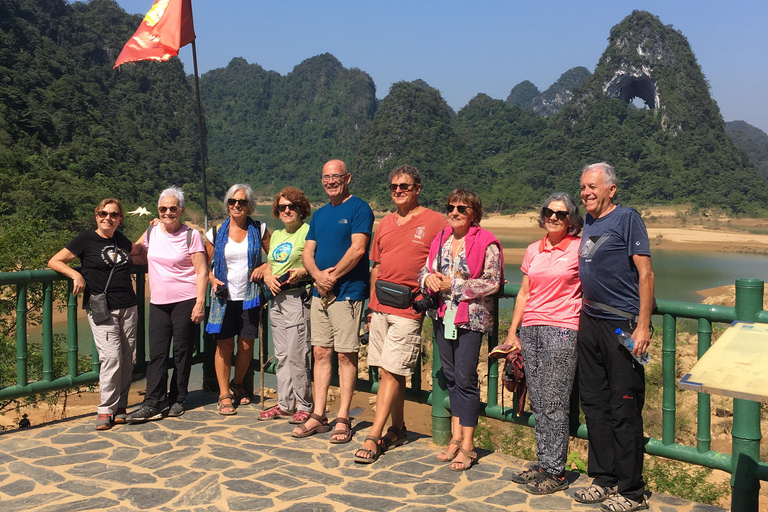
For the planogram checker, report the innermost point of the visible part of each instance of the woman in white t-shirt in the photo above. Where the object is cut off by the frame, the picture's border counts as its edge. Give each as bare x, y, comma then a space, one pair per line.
235, 249
178, 280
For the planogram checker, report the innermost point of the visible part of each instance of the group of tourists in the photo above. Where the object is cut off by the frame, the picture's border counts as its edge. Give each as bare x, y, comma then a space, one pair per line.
575, 293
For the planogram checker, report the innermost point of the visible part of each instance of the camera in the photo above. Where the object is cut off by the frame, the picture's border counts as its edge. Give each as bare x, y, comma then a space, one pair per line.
427, 302
221, 292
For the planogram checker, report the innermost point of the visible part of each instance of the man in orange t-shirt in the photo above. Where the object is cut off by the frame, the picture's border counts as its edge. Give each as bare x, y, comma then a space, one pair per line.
399, 250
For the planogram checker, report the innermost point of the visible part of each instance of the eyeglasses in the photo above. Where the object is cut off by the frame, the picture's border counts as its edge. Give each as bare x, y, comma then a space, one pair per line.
282, 207
459, 208
405, 187
163, 209
103, 214
239, 202
333, 177
561, 216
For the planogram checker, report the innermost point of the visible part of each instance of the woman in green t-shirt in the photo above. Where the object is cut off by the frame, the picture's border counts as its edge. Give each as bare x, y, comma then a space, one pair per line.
285, 276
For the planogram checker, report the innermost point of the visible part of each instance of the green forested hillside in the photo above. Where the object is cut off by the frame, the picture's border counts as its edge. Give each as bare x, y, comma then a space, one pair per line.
752, 141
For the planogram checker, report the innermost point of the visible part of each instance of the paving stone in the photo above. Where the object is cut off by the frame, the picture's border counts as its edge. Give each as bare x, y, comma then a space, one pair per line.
669, 500
100, 503
208, 463
5, 458
149, 426
71, 439
475, 506
167, 458
202, 431
158, 448
241, 503
88, 447
365, 502
119, 474
49, 431
182, 480
700, 507
126, 439
145, 498
551, 502
18, 487
189, 441
158, 436
327, 460
508, 498
409, 454
248, 487
256, 436
171, 471
82, 487
391, 477
421, 508
309, 507
91, 469
231, 453
34, 500
481, 489
280, 480
259, 467
203, 492
177, 425
200, 415
375, 489
38, 452
412, 468
312, 475
301, 493
432, 489
66, 460
14, 444
40, 475
443, 474
3, 476
123, 454
445, 499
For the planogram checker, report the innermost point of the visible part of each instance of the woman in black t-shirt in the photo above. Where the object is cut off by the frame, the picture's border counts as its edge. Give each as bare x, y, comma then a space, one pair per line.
99, 251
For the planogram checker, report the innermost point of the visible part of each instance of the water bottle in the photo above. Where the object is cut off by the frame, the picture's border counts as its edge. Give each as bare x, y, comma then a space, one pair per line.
628, 342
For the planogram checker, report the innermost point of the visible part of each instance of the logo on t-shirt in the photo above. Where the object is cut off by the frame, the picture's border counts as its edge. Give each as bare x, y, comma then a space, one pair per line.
114, 256
420, 232
343, 221
590, 246
282, 252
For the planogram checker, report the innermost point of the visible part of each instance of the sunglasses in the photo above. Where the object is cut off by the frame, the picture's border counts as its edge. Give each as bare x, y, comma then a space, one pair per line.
239, 202
333, 177
561, 216
459, 208
282, 207
405, 187
163, 209
103, 214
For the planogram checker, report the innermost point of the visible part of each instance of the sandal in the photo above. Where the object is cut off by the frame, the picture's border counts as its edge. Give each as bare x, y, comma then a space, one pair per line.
547, 485
447, 455
373, 456
347, 432
306, 432
238, 390
226, 409
619, 503
595, 493
469, 459
401, 437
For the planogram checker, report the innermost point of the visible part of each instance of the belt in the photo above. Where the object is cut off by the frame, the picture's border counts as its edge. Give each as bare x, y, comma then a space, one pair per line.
610, 309
295, 286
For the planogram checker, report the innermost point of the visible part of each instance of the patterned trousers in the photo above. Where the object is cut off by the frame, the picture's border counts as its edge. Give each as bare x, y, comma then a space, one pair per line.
549, 356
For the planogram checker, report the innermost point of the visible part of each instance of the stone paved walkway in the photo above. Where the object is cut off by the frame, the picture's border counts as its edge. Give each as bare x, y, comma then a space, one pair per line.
207, 462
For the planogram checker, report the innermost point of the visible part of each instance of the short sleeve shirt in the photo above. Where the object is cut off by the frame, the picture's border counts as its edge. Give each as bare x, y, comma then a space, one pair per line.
608, 274
332, 228
285, 250
172, 276
97, 255
401, 251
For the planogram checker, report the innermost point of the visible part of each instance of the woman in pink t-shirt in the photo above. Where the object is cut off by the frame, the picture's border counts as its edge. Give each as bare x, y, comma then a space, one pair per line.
178, 280
548, 308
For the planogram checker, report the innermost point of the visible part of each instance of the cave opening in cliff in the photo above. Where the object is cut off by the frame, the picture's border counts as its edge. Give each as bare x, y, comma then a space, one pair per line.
637, 90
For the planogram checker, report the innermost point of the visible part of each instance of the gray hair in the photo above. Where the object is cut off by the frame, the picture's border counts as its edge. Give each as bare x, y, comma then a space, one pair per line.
408, 170
609, 173
248, 195
174, 192
575, 221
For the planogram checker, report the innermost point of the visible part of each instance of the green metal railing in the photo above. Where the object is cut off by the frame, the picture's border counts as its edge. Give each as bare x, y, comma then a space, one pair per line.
744, 463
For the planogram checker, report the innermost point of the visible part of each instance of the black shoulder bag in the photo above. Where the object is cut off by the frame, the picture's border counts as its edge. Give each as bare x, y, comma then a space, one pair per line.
97, 304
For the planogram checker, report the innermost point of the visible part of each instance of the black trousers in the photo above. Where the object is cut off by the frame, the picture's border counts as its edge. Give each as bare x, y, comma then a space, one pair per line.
166, 322
612, 389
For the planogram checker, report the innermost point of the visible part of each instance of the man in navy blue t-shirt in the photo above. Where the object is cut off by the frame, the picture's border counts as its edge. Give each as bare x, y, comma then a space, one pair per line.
617, 284
336, 256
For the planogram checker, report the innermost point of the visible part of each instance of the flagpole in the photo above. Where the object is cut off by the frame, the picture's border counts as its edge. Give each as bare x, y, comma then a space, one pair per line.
202, 139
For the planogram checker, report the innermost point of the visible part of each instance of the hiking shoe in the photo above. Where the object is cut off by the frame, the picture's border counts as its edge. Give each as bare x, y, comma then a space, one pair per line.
299, 417
120, 416
144, 413
547, 485
103, 422
176, 410
532, 474
274, 413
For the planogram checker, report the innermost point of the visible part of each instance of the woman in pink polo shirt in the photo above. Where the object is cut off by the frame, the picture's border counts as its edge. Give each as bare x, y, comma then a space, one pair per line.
548, 308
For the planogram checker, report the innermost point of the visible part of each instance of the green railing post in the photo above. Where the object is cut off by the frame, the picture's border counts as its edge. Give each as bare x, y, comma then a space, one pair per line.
48, 331
668, 378
703, 424
21, 335
746, 415
141, 311
493, 363
72, 337
441, 417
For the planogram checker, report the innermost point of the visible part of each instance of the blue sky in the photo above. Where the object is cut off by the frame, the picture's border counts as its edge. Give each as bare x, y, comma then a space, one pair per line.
465, 48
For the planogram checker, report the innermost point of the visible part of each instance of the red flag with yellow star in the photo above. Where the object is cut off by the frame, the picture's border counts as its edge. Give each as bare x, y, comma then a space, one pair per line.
167, 27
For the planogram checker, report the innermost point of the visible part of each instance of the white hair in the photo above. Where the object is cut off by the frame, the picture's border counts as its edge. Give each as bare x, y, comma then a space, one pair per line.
172, 191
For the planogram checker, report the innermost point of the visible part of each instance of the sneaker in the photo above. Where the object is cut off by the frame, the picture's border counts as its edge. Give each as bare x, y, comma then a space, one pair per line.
547, 485
532, 474
176, 410
103, 422
274, 413
299, 417
120, 416
144, 413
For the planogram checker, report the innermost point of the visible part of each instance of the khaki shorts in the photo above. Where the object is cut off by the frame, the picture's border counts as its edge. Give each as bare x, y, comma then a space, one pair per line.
395, 343
337, 327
